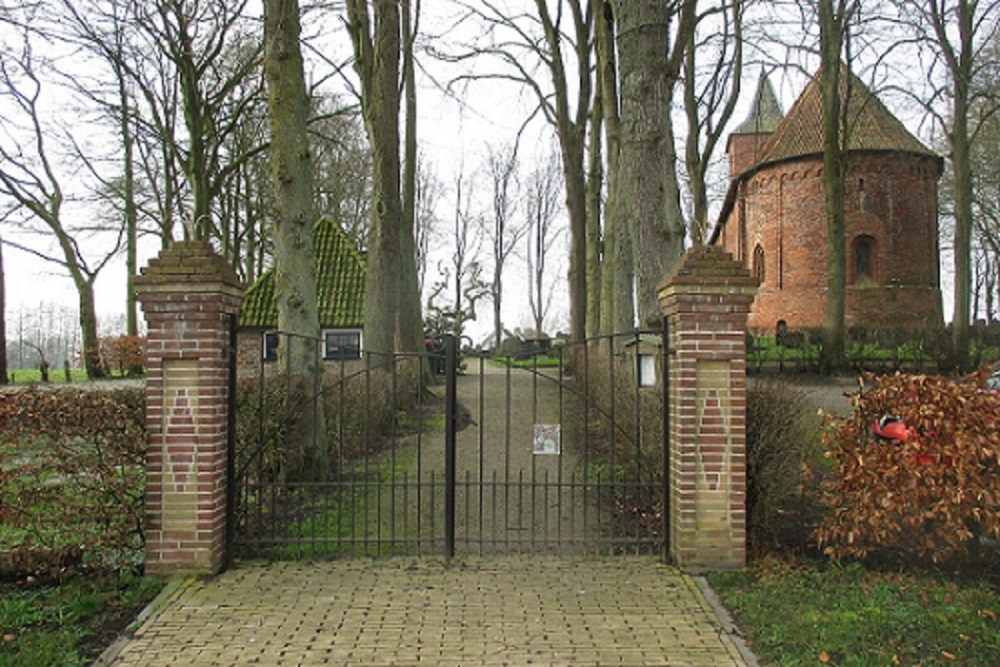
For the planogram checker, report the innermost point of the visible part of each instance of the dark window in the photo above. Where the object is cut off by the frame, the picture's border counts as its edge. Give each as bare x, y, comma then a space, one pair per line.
271, 346
342, 345
758, 264
864, 258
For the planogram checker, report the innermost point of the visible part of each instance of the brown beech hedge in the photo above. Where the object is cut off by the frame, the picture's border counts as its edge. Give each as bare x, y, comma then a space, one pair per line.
72, 484
933, 497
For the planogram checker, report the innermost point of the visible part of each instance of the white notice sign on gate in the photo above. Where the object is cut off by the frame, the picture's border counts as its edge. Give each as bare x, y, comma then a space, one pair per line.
547, 439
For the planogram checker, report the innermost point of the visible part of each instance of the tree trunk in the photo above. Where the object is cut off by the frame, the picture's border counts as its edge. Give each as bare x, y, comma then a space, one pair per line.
377, 62
294, 261
411, 323
961, 74
832, 26
571, 128
648, 196
618, 266
595, 179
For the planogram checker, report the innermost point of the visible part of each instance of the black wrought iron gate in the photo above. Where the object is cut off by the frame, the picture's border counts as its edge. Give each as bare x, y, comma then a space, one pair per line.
551, 451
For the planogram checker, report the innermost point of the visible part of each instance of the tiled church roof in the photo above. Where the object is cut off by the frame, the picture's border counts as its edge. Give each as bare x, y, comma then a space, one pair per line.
340, 284
870, 125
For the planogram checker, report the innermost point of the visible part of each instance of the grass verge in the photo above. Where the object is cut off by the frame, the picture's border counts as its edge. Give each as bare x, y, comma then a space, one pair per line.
69, 622
800, 614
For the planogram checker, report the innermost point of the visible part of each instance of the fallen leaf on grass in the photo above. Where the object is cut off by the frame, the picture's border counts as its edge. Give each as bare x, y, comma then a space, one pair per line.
947, 656
824, 657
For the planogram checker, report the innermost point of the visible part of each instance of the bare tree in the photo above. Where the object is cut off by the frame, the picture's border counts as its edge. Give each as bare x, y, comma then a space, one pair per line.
550, 54
207, 53
461, 283
504, 231
835, 17
429, 192
342, 167
710, 95
960, 38
541, 211
31, 183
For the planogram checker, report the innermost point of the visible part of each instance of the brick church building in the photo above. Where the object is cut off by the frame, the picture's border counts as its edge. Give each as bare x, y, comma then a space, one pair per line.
774, 219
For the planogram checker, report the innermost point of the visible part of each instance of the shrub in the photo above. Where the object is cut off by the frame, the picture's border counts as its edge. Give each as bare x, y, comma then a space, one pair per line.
74, 482
778, 448
932, 497
123, 354
361, 406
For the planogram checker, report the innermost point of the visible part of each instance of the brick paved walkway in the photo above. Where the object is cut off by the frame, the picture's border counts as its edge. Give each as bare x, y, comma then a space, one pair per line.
501, 611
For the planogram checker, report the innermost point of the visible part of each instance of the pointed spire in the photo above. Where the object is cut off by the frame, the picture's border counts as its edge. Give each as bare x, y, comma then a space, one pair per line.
765, 114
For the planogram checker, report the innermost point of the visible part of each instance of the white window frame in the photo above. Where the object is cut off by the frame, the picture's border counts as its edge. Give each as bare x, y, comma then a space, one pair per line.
329, 356
265, 348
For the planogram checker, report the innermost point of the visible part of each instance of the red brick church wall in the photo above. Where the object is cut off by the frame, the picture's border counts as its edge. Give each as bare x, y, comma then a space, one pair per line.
890, 197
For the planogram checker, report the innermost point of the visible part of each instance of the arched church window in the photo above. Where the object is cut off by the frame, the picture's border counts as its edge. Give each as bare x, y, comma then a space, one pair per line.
758, 264
864, 258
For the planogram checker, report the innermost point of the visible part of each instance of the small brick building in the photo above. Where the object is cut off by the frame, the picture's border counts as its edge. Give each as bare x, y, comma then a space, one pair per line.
773, 220
340, 292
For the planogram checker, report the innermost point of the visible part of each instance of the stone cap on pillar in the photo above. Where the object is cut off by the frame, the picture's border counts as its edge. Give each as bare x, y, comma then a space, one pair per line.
189, 266
707, 270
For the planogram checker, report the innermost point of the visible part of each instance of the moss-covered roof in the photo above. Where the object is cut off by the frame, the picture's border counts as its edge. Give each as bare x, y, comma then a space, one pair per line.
340, 284
870, 125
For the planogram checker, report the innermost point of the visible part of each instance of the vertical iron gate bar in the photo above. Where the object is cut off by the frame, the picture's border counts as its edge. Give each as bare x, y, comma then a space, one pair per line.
451, 381
612, 422
534, 459
394, 410
482, 443
585, 418
665, 510
507, 445
366, 453
637, 400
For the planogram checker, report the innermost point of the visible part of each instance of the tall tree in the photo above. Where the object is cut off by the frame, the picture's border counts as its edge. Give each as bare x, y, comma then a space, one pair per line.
560, 44
375, 34
30, 180
461, 281
710, 96
541, 210
835, 18
294, 261
617, 310
985, 169
504, 231
959, 35
102, 30
207, 51
410, 318
648, 193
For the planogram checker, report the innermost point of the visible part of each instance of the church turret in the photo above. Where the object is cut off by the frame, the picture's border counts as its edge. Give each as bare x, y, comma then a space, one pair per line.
745, 143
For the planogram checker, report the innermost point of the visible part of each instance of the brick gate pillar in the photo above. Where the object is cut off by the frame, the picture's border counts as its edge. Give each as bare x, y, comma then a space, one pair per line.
706, 300
188, 294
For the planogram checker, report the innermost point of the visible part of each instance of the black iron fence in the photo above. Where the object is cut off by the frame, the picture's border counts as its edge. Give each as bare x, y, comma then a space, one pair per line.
559, 450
